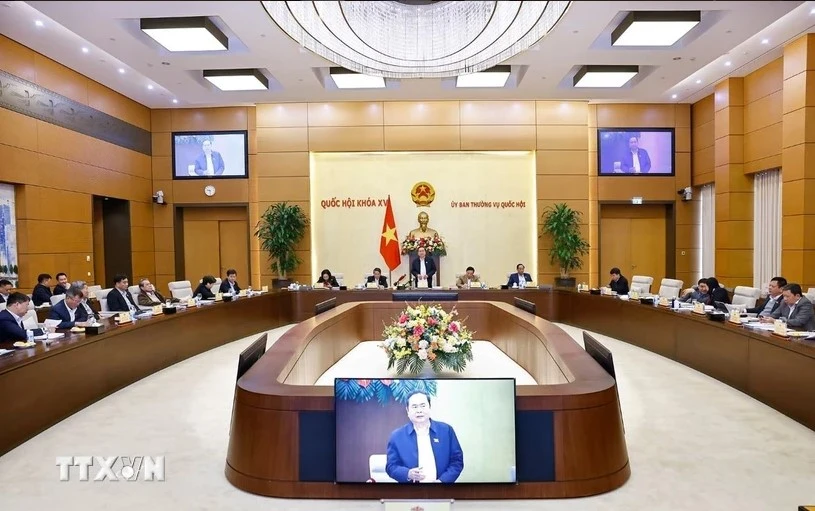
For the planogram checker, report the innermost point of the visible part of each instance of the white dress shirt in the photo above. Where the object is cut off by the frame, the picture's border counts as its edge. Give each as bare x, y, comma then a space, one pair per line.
792, 308
422, 267
232, 288
521, 280
210, 167
427, 460
18, 319
635, 157
768, 307
129, 305
71, 313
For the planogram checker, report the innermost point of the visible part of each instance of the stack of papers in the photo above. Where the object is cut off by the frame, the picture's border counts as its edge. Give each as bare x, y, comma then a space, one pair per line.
767, 327
3, 352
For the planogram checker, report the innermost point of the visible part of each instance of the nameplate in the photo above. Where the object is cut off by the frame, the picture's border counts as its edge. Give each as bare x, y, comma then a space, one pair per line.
219, 297
734, 319
530, 285
663, 302
780, 328
158, 309
698, 308
633, 295
242, 292
372, 285
422, 284
264, 289
124, 317
191, 302
474, 285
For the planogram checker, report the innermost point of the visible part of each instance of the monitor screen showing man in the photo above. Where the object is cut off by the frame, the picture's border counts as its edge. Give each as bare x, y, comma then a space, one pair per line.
210, 155
635, 152
408, 431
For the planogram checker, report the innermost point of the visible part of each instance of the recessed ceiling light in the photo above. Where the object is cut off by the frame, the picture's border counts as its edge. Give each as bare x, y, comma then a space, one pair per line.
185, 34
149, 87
673, 96
604, 76
654, 28
38, 23
727, 63
121, 70
698, 81
765, 41
175, 101
237, 79
494, 77
345, 79
84, 50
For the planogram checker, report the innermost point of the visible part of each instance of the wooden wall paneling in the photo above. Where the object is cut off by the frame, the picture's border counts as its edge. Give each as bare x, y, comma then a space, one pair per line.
346, 138
18, 130
60, 79
283, 189
498, 138
346, 114
282, 165
497, 113
421, 113
422, 138
117, 105
233, 243
272, 140
563, 113
201, 256
217, 214
281, 115
227, 191
17, 59
204, 119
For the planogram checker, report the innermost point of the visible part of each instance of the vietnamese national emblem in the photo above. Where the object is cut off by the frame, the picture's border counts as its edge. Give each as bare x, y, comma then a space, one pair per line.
423, 193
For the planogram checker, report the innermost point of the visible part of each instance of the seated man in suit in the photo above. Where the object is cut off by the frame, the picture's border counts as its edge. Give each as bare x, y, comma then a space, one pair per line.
796, 309
62, 284
774, 298
209, 162
422, 268
119, 298
520, 278
80, 285
69, 311
204, 289
635, 160
467, 279
230, 285
424, 450
377, 277
42, 293
148, 295
11, 319
5, 289
700, 294
618, 282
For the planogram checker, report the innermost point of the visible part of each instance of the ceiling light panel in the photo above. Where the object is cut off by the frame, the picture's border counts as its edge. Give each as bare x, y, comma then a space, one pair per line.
604, 76
345, 79
494, 77
654, 28
237, 79
185, 34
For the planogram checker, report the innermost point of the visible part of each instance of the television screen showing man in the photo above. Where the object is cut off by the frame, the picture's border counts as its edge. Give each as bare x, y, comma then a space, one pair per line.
209, 155
636, 152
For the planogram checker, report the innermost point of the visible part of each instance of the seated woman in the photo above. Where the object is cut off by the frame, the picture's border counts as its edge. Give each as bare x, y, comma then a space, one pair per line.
717, 293
205, 288
700, 294
326, 280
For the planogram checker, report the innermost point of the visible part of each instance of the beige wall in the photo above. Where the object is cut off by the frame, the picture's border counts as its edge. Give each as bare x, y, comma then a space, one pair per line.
57, 171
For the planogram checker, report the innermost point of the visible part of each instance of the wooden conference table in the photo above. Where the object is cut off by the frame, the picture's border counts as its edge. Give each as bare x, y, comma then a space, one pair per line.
780, 373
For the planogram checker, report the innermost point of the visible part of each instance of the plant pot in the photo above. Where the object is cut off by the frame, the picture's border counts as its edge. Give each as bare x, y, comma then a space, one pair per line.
568, 282
280, 283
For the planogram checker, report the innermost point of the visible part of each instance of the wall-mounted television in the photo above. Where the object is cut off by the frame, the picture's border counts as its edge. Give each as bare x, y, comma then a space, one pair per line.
407, 430
635, 152
210, 154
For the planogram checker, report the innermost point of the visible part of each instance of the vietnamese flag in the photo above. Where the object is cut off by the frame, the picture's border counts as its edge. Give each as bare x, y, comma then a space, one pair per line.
389, 240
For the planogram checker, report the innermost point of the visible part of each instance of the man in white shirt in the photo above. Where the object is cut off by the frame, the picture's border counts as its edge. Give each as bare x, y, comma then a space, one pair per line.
636, 160
209, 162
424, 451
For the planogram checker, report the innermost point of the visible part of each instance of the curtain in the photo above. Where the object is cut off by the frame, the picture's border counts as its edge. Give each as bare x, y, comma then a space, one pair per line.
707, 233
766, 227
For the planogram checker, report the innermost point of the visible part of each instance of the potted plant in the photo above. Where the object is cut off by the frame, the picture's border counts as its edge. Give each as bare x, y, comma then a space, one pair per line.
281, 227
562, 223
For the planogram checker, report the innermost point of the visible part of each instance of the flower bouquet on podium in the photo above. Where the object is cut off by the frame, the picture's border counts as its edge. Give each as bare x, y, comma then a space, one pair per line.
427, 334
433, 245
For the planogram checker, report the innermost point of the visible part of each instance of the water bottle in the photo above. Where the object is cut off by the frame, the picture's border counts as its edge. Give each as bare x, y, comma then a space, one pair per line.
29, 335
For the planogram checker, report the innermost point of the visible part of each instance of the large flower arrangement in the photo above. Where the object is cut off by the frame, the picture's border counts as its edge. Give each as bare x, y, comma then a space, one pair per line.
427, 334
433, 246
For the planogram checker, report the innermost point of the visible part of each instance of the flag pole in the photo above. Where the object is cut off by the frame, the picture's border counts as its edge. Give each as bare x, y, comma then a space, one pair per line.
390, 277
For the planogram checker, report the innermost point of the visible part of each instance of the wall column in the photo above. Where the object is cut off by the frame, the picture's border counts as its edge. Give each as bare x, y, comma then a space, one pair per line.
798, 163
734, 190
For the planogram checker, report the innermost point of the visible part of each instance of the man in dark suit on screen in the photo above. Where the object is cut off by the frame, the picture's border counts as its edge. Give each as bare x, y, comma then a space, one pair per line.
635, 160
424, 451
209, 162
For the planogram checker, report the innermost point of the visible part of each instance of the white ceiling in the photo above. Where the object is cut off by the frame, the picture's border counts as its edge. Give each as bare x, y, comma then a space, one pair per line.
729, 32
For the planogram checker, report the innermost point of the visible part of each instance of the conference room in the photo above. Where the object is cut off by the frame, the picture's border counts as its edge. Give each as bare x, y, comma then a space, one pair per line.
313, 255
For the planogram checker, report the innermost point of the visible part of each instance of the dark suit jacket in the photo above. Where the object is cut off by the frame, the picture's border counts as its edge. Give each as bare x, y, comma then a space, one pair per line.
513, 279
226, 289
9, 329
59, 290
718, 295
403, 452
206, 294
117, 303
802, 318
60, 312
621, 286
627, 162
217, 163
416, 268
757, 310
383, 280
41, 295
145, 300
2, 299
